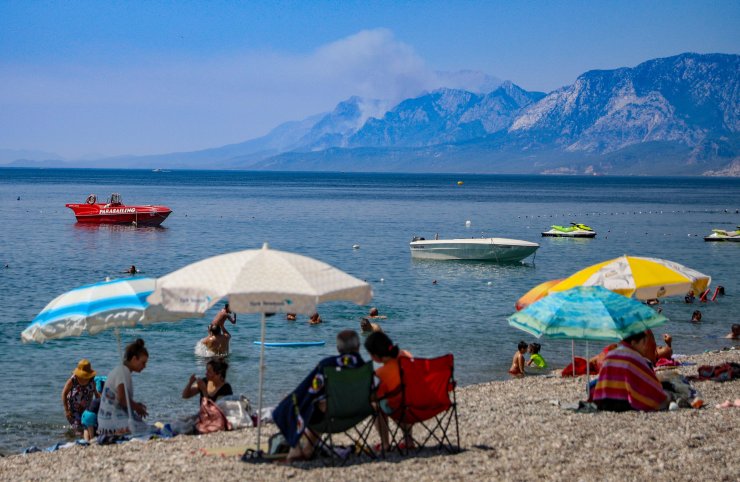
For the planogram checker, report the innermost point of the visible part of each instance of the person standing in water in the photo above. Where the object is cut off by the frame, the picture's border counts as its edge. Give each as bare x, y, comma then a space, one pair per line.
221, 317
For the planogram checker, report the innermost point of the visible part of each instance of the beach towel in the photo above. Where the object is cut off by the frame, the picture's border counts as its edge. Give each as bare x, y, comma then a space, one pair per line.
626, 379
295, 411
580, 368
719, 373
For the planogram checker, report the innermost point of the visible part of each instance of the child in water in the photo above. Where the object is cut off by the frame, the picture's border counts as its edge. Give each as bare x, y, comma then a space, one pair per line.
517, 363
535, 357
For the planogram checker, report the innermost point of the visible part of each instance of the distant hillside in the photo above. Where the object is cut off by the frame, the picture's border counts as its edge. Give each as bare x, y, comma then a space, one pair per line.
671, 116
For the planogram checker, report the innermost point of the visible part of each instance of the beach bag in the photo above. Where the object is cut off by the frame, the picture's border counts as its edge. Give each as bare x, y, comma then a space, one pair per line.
238, 411
211, 418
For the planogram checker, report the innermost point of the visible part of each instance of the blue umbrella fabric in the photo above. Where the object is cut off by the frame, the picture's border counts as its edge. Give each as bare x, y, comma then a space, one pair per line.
586, 313
97, 307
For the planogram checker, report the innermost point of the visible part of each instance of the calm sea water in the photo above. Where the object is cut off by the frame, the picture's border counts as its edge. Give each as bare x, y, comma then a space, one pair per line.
323, 216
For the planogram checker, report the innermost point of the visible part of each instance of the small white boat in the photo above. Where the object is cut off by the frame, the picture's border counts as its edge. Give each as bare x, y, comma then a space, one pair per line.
501, 250
722, 235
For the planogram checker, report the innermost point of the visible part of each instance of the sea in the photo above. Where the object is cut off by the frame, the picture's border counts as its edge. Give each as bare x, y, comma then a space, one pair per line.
432, 307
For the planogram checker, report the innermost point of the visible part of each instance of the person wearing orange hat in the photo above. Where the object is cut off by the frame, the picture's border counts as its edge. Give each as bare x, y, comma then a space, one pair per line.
78, 392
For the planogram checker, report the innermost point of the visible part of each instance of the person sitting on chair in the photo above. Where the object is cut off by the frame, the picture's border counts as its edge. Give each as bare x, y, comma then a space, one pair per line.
306, 405
383, 351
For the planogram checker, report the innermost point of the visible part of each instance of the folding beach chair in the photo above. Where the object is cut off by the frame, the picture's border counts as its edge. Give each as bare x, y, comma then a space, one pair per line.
348, 392
428, 403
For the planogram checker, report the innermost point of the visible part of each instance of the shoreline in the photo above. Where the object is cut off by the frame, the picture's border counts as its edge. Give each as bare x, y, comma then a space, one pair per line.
509, 430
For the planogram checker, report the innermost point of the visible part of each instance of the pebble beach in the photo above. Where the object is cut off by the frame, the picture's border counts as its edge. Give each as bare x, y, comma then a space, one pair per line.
510, 430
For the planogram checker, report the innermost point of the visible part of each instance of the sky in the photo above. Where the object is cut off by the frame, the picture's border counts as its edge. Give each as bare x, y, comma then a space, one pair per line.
86, 79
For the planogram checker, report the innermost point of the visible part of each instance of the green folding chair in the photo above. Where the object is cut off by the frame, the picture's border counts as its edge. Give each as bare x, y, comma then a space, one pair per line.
348, 392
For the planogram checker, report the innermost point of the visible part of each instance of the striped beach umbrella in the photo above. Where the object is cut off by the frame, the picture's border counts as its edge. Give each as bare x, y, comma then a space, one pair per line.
536, 293
586, 313
97, 307
643, 278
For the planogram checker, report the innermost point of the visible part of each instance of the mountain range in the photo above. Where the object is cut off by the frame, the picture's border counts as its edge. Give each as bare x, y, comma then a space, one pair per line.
671, 116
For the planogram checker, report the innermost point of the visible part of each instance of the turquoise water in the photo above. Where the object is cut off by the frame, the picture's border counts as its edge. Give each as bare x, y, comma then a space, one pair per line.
323, 216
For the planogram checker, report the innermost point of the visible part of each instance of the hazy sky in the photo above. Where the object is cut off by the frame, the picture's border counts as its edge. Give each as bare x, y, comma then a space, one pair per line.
134, 77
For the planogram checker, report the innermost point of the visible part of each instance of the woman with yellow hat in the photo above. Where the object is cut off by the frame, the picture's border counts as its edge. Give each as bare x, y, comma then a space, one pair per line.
78, 392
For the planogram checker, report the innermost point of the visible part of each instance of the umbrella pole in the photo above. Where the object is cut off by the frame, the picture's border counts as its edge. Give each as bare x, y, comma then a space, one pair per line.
588, 375
125, 387
262, 368
573, 356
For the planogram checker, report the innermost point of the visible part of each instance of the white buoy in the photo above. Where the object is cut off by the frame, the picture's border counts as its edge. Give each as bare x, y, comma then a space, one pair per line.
382, 280
490, 283
355, 246
468, 223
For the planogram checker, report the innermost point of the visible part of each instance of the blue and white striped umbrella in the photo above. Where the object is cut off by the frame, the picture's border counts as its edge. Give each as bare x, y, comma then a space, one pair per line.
586, 313
97, 307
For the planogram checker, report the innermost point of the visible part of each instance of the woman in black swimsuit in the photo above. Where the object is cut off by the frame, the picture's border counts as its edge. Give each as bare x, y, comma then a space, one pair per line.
213, 385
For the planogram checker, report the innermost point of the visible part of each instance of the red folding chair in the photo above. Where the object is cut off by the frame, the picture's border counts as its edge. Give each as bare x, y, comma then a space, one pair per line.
428, 403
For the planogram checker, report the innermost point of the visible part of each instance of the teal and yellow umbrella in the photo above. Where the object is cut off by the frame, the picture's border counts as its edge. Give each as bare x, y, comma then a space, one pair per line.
591, 313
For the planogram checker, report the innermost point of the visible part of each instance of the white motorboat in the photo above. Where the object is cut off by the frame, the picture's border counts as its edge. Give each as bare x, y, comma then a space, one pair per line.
500, 250
722, 235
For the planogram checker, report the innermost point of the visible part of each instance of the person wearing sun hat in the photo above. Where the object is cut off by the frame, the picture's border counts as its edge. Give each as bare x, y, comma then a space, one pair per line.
78, 392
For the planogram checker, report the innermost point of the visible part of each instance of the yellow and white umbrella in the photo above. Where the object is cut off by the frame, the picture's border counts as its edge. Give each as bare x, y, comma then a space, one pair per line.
643, 278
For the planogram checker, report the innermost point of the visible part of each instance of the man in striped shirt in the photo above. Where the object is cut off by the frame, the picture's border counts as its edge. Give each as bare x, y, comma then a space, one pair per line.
627, 381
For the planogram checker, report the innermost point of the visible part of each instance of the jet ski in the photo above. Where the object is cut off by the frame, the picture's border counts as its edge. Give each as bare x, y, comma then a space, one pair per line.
575, 230
722, 235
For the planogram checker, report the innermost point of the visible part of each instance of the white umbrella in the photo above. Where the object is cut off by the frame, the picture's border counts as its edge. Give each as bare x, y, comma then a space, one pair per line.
258, 281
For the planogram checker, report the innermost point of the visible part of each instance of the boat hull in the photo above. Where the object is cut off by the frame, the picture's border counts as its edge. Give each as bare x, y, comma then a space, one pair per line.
120, 214
572, 234
719, 238
498, 250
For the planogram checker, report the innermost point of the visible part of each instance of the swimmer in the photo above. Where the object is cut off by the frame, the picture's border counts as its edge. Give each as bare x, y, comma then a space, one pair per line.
696, 316
689, 298
653, 302
734, 333
132, 270
369, 327
517, 363
222, 316
290, 316
216, 342
315, 319
374, 314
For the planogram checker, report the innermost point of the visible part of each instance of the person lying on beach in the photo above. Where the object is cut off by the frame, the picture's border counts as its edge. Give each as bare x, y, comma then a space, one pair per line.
368, 326
306, 404
696, 316
113, 416
734, 334
216, 342
315, 319
78, 393
213, 386
383, 351
535, 357
626, 379
222, 316
517, 363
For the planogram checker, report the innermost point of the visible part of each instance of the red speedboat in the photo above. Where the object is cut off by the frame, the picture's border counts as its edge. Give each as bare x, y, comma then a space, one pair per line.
115, 212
